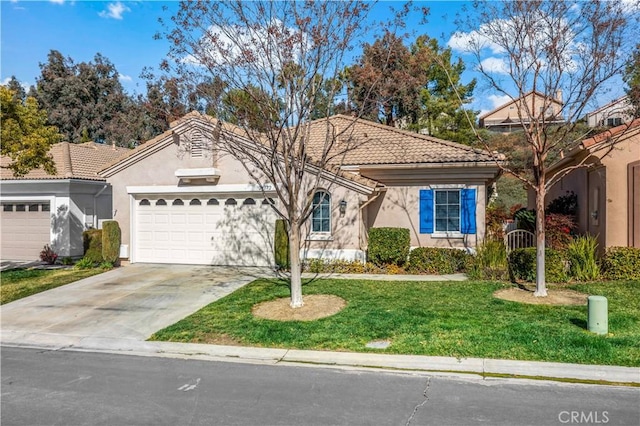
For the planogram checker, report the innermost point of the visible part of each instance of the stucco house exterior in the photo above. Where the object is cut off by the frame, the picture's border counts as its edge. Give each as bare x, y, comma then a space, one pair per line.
511, 115
180, 199
608, 190
613, 114
39, 208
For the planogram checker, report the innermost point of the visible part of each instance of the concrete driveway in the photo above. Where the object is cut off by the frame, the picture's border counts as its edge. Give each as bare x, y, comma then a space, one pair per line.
130, 302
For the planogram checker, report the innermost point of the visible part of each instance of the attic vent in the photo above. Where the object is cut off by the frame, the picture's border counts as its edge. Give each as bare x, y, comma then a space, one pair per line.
197, 144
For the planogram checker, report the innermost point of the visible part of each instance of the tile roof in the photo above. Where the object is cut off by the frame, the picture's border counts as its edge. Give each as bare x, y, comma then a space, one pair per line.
606, 135
73, 161
377, 144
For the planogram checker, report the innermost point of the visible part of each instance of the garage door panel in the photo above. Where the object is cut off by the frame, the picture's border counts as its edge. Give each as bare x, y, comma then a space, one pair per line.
205, 233
25, 231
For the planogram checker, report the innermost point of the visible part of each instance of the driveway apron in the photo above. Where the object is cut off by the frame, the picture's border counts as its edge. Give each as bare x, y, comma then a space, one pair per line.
130, 302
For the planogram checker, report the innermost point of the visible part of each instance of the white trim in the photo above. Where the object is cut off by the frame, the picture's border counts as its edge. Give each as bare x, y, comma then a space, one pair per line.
52, 207
320, 236
208, 173
449, 186
205, 189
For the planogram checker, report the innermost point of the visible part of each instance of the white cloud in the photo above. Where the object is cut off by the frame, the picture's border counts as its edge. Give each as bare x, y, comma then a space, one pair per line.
56, 1
123, 77
494, 65
497, 100
472, 41
114, 10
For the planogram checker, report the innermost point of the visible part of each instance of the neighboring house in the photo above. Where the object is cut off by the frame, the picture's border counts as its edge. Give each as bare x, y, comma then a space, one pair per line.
181, 200
613, 114
39, 208
512, 115
608, 190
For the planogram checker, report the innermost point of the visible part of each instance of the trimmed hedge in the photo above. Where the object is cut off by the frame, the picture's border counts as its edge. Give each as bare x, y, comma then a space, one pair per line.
522, 265
111, 239
389, 246
621, 263
281, 245
92, 242
434, 260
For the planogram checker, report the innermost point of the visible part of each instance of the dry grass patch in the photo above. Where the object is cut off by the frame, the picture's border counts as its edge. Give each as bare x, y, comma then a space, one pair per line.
316, 306
554, 297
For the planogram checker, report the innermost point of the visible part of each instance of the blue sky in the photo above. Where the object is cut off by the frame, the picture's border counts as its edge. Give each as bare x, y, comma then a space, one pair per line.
123, 32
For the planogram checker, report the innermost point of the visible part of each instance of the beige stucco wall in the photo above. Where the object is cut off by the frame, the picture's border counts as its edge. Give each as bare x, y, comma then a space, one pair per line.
610, 174
531, 103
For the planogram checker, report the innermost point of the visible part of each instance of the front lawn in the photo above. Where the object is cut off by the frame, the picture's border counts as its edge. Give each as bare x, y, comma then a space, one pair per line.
18, 283
459, 319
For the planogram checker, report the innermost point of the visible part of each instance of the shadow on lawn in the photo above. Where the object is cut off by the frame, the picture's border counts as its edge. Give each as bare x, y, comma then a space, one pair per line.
579, 323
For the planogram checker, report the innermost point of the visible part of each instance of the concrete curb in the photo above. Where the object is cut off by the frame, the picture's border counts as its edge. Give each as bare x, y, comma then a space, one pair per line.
273, 356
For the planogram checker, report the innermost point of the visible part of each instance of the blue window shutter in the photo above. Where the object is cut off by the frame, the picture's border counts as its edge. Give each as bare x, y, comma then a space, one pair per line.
468, 212
426, 211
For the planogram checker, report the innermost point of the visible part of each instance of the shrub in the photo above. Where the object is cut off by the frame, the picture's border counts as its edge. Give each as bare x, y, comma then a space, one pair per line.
526, 219
490, 262
281, 245
496, 216
48, 255
565, 204
324, 266
111, 241
558, 229
388, 246
85, 263
583, 264
621, 263
67, 261
92, 242
433, 260
106, 265
522, 265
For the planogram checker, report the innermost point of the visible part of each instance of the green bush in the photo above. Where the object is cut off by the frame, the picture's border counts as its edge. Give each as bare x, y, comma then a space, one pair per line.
388, 246
336, 266
583, 263
92, 241
522, 265
621, 263
281, 245
106, 265
85, 263
489, 262
434, 260
111, 241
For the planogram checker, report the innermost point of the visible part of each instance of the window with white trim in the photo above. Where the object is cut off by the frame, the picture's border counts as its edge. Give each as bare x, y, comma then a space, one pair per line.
321, 215
447, 210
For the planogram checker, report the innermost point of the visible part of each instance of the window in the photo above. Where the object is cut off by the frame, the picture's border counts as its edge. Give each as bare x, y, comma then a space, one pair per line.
249, 202
7, 207
614, 121
45, 207
212, 202
21, 207
33, 207
268, 201
230, 202
448, 211
161, 202
195, 202
177, 202
321, 215
145, 202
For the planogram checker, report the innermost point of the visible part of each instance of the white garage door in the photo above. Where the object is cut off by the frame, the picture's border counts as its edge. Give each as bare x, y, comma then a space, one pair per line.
26, 228
204, 230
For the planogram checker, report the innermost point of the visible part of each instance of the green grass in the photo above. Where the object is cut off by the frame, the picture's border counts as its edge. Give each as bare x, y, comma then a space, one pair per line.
459, 319
18, 283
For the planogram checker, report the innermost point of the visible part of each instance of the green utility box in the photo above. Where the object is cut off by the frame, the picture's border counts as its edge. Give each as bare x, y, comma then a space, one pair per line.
598, 318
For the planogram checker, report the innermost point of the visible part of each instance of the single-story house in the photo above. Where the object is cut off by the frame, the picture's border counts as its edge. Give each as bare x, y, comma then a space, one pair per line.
608, 190
39, 208
179, 199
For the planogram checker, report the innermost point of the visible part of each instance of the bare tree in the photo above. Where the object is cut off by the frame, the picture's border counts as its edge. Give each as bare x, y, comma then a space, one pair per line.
523, 48
275, 59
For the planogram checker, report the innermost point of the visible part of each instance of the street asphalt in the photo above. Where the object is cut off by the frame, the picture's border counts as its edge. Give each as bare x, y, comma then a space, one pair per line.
117, 311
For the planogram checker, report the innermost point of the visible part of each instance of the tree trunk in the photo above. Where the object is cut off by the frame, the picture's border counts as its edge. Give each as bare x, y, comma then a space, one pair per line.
296, 270
541, 282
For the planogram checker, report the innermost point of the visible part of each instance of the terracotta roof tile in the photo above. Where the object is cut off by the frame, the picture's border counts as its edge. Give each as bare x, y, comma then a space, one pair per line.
73, 161
601, 137
373, 143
